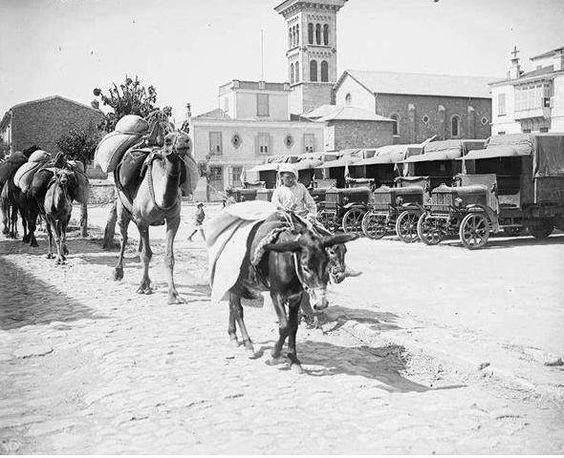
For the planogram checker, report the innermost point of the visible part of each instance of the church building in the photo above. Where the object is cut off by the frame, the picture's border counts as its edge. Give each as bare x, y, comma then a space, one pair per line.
421, 105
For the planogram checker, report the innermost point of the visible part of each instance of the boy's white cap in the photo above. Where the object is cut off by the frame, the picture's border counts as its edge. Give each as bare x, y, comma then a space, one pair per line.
287, 168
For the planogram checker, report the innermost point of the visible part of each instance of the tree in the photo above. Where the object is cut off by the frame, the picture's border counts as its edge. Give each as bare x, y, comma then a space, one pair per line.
130, 97
80, 145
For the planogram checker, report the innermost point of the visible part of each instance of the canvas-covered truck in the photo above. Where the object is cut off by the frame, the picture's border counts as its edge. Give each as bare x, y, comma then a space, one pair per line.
515, 183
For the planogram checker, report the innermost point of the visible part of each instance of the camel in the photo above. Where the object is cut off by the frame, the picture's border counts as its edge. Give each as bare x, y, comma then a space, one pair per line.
148, 182
58, 207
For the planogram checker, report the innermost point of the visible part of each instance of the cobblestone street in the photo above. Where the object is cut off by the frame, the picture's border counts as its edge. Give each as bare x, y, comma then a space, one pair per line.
429, 351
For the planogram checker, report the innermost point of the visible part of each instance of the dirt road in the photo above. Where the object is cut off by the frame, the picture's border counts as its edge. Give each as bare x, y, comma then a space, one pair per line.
431, 350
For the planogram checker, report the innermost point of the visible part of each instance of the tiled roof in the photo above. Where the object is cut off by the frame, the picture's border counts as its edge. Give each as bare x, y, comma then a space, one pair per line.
422, 84
218, 113
53, 97
343, 113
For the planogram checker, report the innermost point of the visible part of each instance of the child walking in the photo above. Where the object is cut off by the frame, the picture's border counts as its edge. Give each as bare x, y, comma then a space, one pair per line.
198, 221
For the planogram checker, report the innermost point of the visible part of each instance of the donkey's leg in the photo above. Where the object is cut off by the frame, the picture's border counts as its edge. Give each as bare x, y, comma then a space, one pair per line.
49, 237
146, 255
283, 328
231, 328
171, 229
237, 309
293, 322
123, 219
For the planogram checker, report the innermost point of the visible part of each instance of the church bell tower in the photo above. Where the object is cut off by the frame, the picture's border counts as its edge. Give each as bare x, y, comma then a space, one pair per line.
311, 27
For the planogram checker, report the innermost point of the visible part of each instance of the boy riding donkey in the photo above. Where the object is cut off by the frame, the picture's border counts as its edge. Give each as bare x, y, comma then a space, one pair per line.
291, 195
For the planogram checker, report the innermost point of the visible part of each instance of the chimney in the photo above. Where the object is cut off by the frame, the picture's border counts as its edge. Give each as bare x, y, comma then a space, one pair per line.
515, 69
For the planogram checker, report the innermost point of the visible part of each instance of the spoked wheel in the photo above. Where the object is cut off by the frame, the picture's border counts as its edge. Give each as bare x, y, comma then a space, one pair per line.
541, 229
474, 231
406, 226
352, 221
327, 219
374, 225
429, 231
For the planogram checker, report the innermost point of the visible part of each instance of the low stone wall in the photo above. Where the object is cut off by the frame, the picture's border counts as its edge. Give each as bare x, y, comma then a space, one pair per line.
101, 192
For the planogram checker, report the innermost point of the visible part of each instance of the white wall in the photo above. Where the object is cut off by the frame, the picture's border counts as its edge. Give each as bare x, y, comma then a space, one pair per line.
246, 105
361, 97
505, 123
557, 112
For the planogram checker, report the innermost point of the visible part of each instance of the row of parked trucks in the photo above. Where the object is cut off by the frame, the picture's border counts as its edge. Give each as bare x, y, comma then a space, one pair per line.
467, 188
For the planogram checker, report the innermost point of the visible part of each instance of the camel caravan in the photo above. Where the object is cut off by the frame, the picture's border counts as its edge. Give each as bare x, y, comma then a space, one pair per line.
254, 248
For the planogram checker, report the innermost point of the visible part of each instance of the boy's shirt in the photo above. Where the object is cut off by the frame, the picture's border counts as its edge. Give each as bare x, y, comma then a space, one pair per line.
295, 198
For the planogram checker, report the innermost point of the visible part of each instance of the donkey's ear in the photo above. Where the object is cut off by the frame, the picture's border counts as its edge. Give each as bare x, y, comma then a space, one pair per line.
281, 247
338, 239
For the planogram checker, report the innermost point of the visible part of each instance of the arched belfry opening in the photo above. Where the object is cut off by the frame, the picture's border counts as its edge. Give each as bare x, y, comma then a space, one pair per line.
312, 49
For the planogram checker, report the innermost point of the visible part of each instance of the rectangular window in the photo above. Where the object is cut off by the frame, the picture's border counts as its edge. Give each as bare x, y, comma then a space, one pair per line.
262, 105
501, 104
263, 143
309, 143
236, 175
544, 129
216, 145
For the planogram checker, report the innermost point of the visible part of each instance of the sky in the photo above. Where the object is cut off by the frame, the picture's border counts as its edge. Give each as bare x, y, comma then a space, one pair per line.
187, 48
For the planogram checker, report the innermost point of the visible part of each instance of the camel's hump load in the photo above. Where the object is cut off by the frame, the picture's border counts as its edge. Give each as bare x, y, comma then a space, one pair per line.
113, 146
24, 175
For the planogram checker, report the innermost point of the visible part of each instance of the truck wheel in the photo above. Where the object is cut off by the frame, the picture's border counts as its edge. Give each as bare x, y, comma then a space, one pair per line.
374, 225
474, 231
428, 230
406, 226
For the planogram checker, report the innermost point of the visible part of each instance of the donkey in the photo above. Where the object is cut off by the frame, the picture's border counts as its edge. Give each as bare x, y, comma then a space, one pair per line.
58, 207
150, 199
296, 264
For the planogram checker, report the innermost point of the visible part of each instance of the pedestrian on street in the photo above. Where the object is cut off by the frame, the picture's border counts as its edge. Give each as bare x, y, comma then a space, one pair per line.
199, 217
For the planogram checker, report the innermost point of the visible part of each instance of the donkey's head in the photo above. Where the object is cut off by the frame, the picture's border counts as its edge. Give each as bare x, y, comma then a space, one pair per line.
311, 261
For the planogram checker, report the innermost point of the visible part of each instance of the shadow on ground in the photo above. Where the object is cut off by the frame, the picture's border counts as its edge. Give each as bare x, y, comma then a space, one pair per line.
26, 300
378, 321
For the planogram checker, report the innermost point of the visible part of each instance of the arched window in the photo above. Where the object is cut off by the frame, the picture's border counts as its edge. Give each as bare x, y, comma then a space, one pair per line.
324, 71
318, 33
291, 73
313, 70
297, 34
310, 33
326, 34
455, 126
290, 37
297, 72
348, 98
395, 128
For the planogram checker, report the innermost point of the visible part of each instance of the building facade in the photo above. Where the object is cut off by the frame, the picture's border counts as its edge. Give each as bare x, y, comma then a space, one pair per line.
42, 122
311, 27
422, 105
253, 122
530, 101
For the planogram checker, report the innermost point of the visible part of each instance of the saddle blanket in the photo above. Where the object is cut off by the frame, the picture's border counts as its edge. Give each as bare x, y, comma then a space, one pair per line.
226, 238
